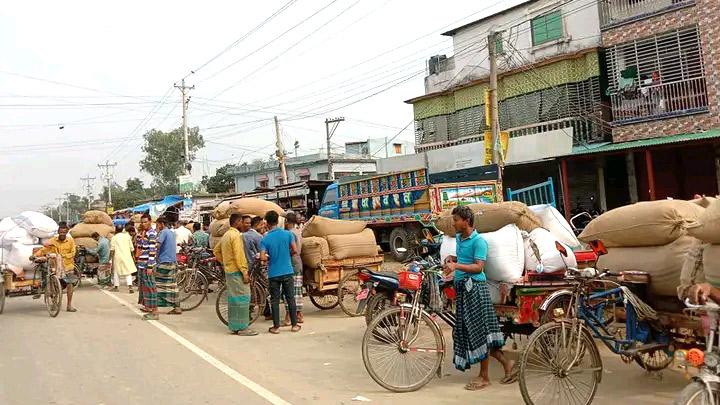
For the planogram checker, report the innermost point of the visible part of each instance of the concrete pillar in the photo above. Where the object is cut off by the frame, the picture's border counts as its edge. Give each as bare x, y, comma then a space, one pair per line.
602, 199
717, 167
632, 181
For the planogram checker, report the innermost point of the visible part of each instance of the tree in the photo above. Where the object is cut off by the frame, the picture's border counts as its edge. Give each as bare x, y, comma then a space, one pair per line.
164, 156
134, 185
223, 180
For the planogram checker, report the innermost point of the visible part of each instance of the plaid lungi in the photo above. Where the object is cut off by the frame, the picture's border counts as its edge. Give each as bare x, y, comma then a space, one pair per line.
477, 330
298, 291
104, 274
167, 288
238, 294
148, 290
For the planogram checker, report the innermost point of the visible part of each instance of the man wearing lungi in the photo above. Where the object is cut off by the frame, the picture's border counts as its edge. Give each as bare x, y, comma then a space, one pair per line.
166, 271
147, 246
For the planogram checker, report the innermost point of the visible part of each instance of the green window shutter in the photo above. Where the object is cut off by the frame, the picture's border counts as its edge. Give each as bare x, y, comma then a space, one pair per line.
546, 28
499, 43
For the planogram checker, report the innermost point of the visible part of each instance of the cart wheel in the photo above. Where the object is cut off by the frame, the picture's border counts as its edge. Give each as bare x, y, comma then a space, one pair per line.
53, 296
2, 296
221, 305
348, 290
328, 299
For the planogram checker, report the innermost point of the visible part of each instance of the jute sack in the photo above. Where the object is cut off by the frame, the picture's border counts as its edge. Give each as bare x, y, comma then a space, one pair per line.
361, 244
704, 201
314, 249
86, 230
89, 243
321, 226
708, 226
254, 206
218, 227
692, 271
97, 217
222, 211
663, 263
711, 264
649, 223
492, 217
214, 240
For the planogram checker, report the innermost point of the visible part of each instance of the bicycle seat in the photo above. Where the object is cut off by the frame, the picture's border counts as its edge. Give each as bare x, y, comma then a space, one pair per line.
386, 274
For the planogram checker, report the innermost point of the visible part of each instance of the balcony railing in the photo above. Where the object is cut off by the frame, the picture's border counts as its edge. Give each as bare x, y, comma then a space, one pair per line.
617, 11
654, 101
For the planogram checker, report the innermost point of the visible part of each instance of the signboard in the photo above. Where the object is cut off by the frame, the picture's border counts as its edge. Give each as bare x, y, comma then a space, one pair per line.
186, 184
453, 196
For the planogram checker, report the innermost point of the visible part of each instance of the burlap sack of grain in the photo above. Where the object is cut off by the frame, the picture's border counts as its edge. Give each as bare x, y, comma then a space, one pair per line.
222, 211
254, 206
648, 223
711, 264
492, 217
704, 201
86, 230
97, 217
189, 226
692, 271
85, 242
214, 240
663, 263
314, 249
218, 227
321, 226
361, 244
707, 228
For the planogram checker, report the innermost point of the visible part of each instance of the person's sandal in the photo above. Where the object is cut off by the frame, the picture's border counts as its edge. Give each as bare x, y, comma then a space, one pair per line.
150, 317
71, 309
246, 332
175, 311
296, 328
274, 330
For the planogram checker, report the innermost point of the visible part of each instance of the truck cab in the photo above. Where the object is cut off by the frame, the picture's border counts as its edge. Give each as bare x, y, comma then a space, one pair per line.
330, 206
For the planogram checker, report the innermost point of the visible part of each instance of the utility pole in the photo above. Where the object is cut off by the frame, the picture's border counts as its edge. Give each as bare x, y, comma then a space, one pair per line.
280, 152
494, 120
107, 175
59, 208
329, 133
185, 99
297, 146
88, 188
67, 205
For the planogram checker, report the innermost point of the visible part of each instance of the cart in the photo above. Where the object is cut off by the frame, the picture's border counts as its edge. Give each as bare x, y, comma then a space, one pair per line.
334, 278
44, 283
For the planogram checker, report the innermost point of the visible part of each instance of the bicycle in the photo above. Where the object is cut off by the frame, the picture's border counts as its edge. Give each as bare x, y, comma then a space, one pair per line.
403, 347
259, 291
704, 388
561, 363
192, 288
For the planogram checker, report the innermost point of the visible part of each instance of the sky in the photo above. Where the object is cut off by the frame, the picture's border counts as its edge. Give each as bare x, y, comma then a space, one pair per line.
81, 81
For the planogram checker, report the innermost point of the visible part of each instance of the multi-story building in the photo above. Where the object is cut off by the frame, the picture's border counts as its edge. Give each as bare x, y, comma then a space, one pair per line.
380, 148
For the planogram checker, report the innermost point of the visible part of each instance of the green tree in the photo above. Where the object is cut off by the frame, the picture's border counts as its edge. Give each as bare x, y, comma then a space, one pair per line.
223, 180
164, 156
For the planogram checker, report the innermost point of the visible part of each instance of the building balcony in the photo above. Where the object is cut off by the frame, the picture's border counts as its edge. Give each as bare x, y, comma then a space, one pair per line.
643, 103
613, 12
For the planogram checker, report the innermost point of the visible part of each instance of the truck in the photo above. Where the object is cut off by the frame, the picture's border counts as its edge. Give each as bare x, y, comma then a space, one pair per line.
398, 206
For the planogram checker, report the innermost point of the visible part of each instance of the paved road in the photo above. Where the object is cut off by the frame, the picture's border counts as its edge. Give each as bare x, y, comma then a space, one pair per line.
104, 354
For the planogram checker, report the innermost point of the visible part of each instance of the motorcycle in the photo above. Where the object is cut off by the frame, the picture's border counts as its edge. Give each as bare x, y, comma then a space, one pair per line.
705, 386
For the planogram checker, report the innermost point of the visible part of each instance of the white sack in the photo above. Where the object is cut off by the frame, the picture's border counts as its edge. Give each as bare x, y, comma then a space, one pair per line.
447, 247
542, 256
37, 224
20, 255
7, 224
506, 254
555, 222
16, 235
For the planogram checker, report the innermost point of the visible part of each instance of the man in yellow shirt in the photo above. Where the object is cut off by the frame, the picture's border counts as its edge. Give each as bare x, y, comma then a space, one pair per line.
231, 252
64, 247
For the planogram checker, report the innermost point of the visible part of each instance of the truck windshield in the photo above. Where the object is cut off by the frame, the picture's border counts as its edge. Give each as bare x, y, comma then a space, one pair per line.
330, 196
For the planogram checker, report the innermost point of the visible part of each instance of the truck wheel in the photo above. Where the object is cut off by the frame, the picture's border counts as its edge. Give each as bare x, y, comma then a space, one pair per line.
399, 238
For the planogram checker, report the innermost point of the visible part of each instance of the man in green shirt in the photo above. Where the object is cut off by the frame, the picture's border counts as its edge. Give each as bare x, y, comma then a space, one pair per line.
102, 251
200, 238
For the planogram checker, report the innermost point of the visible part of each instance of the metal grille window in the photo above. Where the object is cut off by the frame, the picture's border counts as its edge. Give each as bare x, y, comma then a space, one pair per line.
546, 28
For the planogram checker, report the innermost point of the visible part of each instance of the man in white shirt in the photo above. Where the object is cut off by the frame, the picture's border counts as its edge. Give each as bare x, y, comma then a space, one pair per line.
182, 234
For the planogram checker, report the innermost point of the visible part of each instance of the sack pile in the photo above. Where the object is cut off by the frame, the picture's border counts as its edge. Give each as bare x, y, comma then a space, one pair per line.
247, 206
492, 217
95, 217
647, 236
20, 235
83, 230
218, 227
706, 231
331, 238
543, 256
553, 221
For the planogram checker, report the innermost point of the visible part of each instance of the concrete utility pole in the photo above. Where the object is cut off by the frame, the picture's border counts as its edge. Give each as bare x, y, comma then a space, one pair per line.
67, 205
185, 99
108, 176
494, 120
59, 209
280, 152
329, 133
88, 188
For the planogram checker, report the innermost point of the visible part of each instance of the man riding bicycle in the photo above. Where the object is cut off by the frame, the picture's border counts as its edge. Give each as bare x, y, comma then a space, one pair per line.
64, 247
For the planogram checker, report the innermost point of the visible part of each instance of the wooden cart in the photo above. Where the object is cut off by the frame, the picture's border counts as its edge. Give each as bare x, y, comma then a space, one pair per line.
324, 284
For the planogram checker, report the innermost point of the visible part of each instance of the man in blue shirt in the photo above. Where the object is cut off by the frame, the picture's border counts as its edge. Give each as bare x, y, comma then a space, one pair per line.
166, 270
104, 270
477, 331
277, 247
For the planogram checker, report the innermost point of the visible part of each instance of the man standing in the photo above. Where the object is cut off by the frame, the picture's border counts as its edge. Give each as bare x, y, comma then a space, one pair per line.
477, 332
64, 247
231, 252
182, 235
104, 270
165, 275
123, 265
291, 224
278, 246
252, 240
200, 239
147, 246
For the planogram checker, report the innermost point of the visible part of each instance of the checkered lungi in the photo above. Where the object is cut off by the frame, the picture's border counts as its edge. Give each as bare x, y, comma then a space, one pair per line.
298, 290
477, 330
238, 295
104, 274
148, 289
167, 288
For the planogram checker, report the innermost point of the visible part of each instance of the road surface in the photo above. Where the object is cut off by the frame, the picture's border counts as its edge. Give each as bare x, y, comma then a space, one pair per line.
105, 354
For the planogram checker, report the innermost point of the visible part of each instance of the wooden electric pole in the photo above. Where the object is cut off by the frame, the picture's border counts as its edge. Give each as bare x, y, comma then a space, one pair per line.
329, 133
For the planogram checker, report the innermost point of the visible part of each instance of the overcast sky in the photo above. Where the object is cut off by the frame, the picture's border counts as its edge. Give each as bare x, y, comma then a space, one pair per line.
105, 70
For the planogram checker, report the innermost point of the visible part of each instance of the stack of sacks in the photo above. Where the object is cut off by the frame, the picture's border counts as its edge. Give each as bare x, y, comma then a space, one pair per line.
246, 206
314, 250
218, 227
93, 221
344, 239
492, 217
554, 222
19, 237
542, 255
708, 232
95, 217
647, 236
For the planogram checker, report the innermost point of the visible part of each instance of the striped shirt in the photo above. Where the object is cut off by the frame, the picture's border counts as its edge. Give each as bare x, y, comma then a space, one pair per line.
147, 243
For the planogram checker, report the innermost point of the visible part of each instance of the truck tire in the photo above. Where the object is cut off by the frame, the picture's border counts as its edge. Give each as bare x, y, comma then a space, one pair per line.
399, 238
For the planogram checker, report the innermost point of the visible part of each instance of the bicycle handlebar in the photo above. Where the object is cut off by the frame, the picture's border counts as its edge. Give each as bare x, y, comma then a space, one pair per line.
709, 306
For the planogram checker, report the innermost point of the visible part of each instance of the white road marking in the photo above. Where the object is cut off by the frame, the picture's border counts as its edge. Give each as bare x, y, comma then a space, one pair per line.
227, 370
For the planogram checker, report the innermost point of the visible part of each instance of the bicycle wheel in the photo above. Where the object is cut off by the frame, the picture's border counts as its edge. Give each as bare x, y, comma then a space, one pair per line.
258, 300
400, 365
559, 367
348, 289
221, 305
192, 289
375, 305
696, 393
53, 296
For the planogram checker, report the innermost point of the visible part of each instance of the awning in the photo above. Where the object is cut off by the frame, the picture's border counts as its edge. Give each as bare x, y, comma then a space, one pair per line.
157, 208
643, 143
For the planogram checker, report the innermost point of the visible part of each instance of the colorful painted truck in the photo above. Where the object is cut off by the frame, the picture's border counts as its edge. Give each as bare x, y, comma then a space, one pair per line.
397, 206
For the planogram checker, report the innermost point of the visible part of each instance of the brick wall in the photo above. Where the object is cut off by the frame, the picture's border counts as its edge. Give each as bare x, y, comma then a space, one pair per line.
706, 14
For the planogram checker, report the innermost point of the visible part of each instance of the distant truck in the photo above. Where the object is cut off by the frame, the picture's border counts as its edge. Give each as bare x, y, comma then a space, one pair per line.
397, 206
